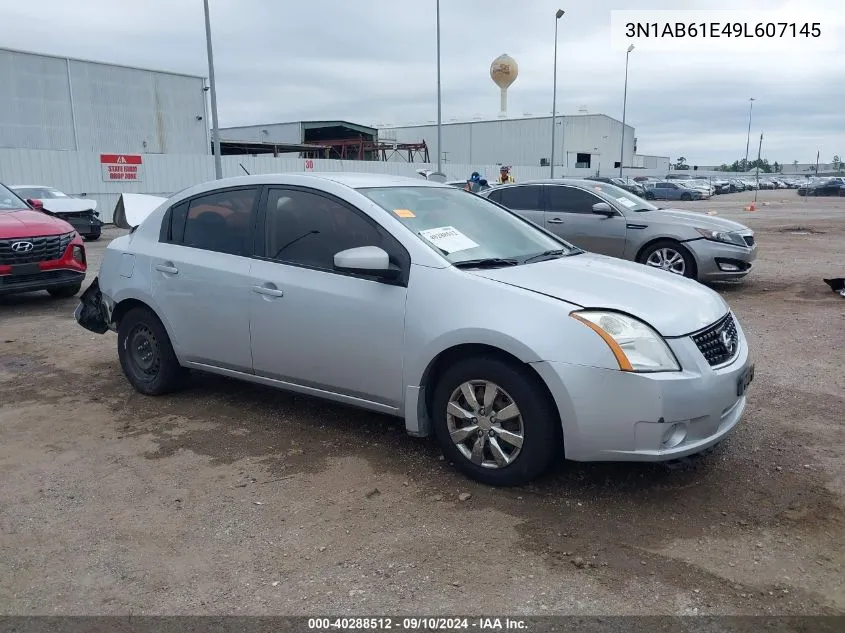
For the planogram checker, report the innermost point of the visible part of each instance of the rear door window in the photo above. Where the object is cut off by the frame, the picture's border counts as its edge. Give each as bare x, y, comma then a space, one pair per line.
522, 197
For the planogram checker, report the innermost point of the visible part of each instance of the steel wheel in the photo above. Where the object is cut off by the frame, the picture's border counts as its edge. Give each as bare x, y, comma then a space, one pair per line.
144, 352
485, 424
667, 259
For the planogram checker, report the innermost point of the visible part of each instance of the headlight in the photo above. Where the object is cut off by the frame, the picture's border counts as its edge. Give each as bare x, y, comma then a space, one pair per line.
722, 236
636, 346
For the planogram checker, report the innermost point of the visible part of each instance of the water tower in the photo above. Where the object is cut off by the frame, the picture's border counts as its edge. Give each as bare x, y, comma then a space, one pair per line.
503, 72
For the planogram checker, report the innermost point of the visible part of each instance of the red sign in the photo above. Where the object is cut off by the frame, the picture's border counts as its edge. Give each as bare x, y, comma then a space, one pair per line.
309, 164
122, 167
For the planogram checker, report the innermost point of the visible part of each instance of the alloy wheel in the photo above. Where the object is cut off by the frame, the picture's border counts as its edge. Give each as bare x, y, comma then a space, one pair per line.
485, 424
667, 259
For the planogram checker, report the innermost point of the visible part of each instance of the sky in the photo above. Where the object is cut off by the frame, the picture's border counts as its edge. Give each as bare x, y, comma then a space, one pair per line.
374, 62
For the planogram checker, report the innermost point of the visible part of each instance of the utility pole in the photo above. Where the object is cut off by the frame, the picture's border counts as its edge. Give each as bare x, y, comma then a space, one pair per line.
439, 101
748, 139
215, 129
624, 106
759, 154
558, 16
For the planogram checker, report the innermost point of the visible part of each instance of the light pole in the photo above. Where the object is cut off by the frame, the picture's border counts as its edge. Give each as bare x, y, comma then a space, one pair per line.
215, 130
558, 16
439, 102
748, 140
624, 107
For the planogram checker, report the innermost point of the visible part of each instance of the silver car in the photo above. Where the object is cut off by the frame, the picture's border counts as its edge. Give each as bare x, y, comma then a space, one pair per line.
419, 300
603, 218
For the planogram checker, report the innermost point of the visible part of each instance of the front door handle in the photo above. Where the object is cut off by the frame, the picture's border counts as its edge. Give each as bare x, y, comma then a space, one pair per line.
167, 268
555, 221
269, 292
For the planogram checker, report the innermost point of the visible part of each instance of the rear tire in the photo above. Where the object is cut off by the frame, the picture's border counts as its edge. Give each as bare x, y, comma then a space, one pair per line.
146, 354
535, 426
649, 195
65, 292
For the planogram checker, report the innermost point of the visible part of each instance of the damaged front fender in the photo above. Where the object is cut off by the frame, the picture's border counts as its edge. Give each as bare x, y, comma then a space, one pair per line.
93, 313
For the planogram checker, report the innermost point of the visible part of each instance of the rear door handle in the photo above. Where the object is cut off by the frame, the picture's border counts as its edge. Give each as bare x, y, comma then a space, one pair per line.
269, 292
169, 269
555, 221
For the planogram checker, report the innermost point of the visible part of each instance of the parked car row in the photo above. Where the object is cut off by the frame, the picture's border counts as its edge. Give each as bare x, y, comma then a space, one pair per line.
334, 285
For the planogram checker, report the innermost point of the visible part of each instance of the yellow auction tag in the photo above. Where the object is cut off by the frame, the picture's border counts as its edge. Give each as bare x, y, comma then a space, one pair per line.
404, 213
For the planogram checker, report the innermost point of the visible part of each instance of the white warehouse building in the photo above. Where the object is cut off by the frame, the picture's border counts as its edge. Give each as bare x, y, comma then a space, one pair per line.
60, 103
583, 141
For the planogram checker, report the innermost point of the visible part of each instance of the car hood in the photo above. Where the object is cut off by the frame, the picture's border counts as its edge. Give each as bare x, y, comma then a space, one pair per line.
29, 223
673, 305
68, 205
692, 219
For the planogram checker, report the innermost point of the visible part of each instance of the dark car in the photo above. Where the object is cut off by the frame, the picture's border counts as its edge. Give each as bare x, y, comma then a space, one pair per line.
825, 187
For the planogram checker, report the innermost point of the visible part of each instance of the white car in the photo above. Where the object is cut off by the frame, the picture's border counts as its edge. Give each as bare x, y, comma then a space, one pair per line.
419, 300
78, 211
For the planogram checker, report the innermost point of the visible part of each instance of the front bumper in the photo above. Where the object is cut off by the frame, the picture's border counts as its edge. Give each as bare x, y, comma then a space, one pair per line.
610, 415
45, 280
717, 261
87, 225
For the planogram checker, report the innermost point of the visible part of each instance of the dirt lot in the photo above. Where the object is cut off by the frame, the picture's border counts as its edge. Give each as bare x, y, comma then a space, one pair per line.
231, 498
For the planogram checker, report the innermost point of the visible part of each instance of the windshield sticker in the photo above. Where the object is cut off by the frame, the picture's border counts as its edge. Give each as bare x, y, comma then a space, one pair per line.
404, 213
626, 202
448, 239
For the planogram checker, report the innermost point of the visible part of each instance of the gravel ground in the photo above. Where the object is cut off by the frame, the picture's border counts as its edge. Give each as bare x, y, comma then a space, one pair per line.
232, 498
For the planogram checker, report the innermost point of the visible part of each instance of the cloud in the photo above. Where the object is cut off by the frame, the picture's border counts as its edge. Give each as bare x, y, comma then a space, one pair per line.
374, 62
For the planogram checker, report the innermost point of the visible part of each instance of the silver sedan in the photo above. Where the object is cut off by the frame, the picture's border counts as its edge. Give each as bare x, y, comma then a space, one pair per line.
419, 300
605, 219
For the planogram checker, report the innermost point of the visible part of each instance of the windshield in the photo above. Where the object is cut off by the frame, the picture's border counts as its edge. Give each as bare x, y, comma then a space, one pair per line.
630, 201
39, 193
464, 227
9, 201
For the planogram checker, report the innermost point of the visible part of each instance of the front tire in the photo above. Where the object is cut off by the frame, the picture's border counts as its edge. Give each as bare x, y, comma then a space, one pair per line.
494, 421
65, 292
146, 354
686, 196
670, 256
649, 195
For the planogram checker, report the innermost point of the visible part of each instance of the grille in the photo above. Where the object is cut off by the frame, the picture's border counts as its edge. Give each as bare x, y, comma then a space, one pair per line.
44, 249
749, 239
47, 275
719, 343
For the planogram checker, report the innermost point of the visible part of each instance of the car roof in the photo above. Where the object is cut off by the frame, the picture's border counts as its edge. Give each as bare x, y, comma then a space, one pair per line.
556, 181
30, 187
349, 179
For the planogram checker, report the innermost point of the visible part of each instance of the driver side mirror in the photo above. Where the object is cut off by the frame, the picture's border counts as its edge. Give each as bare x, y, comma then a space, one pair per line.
35, 204
366, 260
603, 208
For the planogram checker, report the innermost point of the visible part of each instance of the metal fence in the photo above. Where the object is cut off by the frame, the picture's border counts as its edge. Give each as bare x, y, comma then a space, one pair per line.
163, 174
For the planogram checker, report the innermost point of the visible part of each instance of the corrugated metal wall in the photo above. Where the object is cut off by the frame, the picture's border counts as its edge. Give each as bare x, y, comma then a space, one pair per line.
274, 133
525, 141
164, 174
60, 104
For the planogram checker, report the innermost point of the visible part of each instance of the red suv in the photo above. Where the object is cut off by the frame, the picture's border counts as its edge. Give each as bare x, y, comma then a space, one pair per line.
38, 251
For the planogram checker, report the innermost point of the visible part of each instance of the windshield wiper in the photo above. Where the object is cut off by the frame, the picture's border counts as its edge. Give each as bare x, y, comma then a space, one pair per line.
551, 254
487, 262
